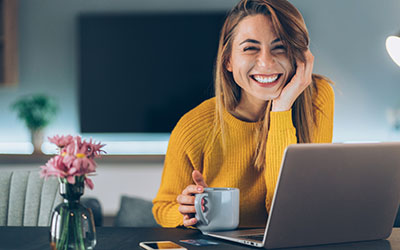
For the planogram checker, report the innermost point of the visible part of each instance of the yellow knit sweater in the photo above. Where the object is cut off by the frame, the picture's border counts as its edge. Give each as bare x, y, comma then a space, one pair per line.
193, 145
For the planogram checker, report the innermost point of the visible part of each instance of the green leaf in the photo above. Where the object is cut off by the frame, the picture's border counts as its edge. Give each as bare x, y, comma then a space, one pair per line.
37, 110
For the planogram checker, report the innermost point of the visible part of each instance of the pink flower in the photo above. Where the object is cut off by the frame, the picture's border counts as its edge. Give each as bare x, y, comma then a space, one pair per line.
89, 183
55, 167
61, 141
71, 179
94, 149
80, 148
75, 159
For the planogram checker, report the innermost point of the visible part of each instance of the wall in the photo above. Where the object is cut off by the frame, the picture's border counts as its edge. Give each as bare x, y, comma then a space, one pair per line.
347, 40
48, 58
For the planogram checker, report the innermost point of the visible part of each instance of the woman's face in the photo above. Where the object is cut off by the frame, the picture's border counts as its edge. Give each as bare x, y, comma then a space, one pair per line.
259, 61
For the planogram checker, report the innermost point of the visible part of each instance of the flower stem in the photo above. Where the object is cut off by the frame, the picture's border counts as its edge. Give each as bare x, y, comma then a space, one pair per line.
79, 237
62, 243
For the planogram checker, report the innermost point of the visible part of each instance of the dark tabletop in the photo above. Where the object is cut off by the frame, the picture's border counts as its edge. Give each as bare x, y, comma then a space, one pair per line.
110, 238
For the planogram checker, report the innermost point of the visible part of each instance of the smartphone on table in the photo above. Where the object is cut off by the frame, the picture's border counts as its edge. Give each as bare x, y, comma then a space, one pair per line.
158, 245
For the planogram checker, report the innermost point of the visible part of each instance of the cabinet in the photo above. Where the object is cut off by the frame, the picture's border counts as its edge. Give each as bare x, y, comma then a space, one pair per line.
8, 42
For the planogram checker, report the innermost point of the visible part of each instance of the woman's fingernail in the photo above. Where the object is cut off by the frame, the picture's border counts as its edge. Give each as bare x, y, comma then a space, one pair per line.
199, 189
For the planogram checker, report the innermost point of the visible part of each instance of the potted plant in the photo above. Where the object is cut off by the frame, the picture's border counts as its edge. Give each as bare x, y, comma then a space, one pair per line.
37, 111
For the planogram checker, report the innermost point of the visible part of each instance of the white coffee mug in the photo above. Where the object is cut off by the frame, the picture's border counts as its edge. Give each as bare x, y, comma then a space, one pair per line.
221, 209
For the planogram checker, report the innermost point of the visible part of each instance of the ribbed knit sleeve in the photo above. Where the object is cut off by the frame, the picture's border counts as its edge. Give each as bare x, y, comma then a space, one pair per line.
325, 101
184, 154
282, 133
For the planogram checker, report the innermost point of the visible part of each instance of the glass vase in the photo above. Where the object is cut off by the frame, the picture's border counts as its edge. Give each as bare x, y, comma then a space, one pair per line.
72, 224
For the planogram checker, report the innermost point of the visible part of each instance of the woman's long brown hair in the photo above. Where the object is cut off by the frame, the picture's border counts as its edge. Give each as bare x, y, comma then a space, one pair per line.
291, 30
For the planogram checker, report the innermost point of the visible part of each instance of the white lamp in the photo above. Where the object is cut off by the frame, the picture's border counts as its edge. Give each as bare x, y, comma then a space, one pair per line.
393, 48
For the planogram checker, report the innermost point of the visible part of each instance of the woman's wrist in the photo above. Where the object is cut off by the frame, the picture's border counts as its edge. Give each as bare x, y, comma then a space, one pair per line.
281, 120
279, 107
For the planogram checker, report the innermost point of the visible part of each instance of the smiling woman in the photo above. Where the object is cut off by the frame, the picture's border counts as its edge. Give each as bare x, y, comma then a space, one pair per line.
266, 98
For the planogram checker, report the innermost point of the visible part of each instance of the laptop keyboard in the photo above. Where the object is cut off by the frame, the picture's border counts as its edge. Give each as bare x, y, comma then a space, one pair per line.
259, 237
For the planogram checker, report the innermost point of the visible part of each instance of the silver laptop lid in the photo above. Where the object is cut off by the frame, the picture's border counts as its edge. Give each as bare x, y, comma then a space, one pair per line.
331, 193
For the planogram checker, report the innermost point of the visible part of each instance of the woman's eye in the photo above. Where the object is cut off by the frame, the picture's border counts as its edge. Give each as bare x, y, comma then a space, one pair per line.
280, 47
250, 48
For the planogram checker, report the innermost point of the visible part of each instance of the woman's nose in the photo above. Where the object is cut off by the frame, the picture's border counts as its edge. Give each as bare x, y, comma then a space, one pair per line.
266, 59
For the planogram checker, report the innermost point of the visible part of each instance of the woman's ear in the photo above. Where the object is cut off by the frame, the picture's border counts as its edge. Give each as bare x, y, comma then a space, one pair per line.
228, 66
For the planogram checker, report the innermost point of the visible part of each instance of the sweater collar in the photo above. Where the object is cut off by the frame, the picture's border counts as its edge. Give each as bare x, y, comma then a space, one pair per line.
234, 122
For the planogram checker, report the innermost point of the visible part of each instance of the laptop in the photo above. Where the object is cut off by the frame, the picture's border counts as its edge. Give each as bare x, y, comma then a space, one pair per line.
330, 193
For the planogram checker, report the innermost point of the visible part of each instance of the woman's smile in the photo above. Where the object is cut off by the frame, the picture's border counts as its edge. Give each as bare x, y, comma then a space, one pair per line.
266, 81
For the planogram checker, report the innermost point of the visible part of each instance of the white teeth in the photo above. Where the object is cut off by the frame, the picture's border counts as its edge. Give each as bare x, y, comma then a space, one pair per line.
266, 79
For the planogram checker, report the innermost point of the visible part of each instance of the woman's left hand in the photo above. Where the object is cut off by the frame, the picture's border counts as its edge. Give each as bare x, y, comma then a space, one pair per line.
300, 81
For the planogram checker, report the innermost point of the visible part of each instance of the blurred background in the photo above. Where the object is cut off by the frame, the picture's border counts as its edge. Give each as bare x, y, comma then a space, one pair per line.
61, 55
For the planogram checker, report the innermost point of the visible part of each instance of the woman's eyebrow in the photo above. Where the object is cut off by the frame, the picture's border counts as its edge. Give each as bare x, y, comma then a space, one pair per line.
250, 41
275, 41
257, 42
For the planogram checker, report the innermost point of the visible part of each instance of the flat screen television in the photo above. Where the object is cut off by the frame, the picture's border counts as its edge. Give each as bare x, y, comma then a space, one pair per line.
139, 73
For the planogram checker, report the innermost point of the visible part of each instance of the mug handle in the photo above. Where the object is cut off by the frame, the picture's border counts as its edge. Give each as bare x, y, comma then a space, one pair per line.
200, 215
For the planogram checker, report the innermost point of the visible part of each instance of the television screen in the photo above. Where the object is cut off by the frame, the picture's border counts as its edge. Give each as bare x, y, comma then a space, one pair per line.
139, 73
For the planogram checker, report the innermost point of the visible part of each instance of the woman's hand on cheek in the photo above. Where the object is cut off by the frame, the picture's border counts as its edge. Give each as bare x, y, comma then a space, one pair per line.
300, 81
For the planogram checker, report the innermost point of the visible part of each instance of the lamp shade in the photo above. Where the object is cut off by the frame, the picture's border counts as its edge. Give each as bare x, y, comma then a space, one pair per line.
393, 48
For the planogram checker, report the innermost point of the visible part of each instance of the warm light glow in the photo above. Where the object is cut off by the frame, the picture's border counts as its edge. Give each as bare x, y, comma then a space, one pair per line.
16, 148
393, 48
